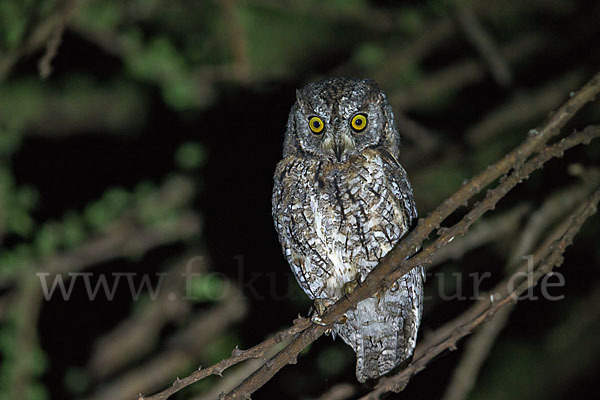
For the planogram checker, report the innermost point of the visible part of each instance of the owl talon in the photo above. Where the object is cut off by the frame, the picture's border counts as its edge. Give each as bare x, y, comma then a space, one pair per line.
350, 286
321, 305
315, 319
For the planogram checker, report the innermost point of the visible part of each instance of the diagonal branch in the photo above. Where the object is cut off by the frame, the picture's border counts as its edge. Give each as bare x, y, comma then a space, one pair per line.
548, 256
395, 264
385, 273
479, 346
482, 41
237, 356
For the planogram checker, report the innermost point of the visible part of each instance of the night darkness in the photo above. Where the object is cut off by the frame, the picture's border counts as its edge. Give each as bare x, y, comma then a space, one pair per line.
236, 126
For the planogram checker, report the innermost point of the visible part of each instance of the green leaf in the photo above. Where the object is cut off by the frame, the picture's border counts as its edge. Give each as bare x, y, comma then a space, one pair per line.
47, 239
77, 380
369, 55
207, 288
190, 156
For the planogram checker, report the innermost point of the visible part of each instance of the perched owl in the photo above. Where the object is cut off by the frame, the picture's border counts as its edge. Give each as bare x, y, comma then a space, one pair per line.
341, 201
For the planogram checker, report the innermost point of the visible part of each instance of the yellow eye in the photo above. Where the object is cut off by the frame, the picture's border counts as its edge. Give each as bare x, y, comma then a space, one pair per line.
316, 125
359, 122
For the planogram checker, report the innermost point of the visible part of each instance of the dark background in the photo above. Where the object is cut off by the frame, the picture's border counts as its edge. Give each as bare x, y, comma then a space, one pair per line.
145, 94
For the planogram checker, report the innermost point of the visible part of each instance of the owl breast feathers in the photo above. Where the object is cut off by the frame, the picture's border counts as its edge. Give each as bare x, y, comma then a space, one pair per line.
341, 201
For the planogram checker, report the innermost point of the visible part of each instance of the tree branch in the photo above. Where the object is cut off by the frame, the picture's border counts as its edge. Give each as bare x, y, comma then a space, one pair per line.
547, 256
182, 349
477, 349
395, 264
484, 44
237, 356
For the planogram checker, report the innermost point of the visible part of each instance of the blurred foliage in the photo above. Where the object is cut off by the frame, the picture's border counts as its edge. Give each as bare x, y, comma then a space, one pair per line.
16, 16
187, 92
190, 156
77, 380
20, 358
221, 347
208, 287
144, 204
17, 204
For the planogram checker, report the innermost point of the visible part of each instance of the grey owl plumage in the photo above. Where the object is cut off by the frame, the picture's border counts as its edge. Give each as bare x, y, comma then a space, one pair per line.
341, 201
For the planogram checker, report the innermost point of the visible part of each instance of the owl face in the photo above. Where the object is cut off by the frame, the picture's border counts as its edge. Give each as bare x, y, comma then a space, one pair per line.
340, 117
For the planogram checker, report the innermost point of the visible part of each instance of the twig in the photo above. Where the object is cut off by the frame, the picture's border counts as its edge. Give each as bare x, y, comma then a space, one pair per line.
26, 307
182, 350
522, 108
575, 343
395, 264
238, 373
40, 36
122, 239
484, 44
476, 352
548, 256
422, 137
124, 236
552, 209
386, 272
463, 73
323, 10
237, 356
340, 391
237, 41
45, 63
138, 333
479, 346
485, 231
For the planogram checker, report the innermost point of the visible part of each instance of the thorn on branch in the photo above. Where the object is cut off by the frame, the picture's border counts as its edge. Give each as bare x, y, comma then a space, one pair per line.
269, 364
237, 352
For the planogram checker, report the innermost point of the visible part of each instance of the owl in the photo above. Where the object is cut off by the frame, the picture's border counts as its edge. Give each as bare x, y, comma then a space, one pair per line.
341, 201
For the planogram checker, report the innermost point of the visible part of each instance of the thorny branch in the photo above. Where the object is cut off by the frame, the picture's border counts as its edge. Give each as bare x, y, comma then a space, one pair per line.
546, 257
479, 346
237, 356
396, 263
45, 63
181, 349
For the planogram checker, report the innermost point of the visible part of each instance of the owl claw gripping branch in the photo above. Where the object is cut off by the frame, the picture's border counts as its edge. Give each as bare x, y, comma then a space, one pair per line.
341, 201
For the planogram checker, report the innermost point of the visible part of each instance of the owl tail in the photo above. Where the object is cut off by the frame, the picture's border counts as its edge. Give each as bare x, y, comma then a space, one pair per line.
382, 330
376, 350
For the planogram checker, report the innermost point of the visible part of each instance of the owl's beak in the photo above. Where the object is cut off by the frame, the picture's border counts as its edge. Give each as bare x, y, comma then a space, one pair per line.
338, 144
343, 144
338, 150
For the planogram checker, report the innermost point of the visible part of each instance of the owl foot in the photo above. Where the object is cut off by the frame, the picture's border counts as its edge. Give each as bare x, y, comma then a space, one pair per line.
349, 286
315, 319
320, 306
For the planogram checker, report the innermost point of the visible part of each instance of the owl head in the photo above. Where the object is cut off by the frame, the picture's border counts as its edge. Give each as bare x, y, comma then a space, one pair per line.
340, 117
